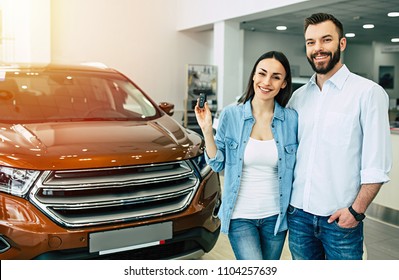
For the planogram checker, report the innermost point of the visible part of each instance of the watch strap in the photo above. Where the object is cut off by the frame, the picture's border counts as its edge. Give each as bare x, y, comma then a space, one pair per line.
358, 216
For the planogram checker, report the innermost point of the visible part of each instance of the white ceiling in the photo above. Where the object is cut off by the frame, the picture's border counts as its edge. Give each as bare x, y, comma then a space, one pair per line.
352, 13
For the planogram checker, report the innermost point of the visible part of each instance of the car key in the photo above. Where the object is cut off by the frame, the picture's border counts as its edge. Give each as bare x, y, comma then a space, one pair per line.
202, 99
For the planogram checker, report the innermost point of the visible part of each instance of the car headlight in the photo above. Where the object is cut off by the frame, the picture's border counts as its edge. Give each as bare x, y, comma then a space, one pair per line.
16, 181
201, 164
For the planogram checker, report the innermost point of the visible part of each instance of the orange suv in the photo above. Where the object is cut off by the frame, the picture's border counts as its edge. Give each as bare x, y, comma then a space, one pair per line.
92, 168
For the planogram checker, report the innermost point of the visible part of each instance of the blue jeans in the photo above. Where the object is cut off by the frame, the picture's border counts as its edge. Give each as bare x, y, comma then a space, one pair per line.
254, 239
311, 237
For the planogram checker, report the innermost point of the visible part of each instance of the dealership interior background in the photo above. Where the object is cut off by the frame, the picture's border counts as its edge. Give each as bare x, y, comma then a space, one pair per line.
154, 41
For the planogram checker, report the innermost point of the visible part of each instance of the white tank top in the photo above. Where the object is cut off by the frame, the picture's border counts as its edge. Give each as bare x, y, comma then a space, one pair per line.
258, 196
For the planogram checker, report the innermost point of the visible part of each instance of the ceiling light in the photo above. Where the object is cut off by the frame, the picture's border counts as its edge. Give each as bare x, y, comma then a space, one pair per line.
281, 27
393, 14
350, 35
395, 40
368, 26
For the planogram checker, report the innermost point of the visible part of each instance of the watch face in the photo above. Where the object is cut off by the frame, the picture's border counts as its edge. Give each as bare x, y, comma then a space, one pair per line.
360, 217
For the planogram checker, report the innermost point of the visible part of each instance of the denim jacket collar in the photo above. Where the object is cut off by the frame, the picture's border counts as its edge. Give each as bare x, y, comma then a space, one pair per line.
278, 111
247, 110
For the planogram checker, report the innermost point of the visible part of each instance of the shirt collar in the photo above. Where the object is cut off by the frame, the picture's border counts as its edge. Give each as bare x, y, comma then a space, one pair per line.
338, 79
278, 111
248, 110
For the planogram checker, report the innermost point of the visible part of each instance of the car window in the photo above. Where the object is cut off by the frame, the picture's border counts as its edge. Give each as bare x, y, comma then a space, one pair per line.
73, 96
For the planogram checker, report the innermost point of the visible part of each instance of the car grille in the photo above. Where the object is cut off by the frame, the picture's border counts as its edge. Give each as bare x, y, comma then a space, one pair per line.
77, 198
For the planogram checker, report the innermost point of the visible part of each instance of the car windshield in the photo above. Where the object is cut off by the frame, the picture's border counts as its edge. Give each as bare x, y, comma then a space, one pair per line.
45, 96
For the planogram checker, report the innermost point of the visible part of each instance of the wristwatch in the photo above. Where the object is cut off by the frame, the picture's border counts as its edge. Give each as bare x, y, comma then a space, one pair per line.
358, 216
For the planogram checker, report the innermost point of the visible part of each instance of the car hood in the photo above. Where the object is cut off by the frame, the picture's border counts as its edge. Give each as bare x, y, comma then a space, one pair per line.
93, 144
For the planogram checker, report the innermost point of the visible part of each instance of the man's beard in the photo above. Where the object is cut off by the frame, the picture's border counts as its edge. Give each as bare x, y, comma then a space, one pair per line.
334, 59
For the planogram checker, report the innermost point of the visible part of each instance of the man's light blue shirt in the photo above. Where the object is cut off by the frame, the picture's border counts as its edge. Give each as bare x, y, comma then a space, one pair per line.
344, 141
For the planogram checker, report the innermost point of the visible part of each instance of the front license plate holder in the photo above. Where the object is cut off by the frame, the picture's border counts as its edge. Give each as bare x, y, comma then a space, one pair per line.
112, 241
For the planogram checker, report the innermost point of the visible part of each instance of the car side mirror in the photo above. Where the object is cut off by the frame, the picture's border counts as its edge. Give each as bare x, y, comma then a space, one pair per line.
167, 107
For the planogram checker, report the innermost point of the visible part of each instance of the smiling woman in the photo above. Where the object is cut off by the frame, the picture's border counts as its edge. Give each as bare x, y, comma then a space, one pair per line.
256, 142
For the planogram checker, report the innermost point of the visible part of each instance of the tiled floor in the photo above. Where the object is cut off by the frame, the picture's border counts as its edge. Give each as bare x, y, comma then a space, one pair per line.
381, 239
223, 251
381, 243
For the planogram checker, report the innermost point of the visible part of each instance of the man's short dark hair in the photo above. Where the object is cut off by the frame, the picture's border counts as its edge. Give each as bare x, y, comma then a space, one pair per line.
322, 17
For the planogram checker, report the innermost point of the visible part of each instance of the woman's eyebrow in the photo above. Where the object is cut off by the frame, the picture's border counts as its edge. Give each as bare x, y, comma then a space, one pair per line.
264, 70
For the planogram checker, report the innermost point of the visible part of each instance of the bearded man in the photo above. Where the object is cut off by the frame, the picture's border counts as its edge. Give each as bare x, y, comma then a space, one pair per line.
344, 154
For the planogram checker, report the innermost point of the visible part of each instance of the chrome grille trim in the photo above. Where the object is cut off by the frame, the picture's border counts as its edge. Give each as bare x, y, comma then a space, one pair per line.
79, 198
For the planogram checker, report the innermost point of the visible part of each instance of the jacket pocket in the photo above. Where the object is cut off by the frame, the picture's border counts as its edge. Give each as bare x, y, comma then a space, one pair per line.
290, 155
231, 151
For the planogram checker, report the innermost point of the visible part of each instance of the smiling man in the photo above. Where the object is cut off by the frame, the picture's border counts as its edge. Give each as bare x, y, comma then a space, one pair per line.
344, 154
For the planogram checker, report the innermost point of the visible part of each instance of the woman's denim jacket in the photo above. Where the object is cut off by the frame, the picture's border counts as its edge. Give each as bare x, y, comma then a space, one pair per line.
235, 126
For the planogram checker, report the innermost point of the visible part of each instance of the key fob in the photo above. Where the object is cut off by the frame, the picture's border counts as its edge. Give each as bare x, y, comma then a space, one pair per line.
202, 99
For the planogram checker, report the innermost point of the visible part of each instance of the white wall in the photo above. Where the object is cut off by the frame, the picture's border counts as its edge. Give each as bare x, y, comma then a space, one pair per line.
25, 31
136, 37
228, 50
